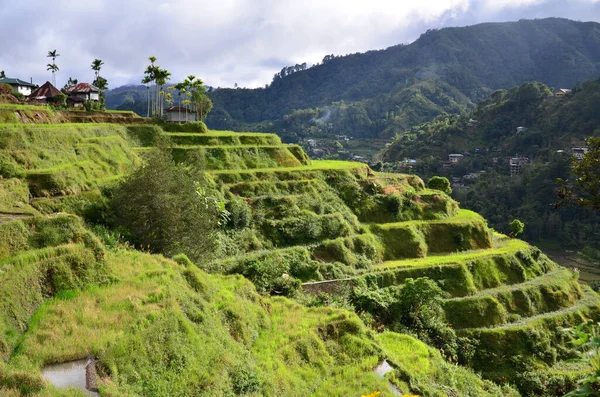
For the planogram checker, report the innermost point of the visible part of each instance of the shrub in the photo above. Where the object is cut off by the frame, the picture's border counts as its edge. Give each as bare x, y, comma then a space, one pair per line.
440, 183
516, 227
160, 208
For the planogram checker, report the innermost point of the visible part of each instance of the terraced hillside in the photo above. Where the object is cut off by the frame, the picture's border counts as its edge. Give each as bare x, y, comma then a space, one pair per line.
322, 226
334, 225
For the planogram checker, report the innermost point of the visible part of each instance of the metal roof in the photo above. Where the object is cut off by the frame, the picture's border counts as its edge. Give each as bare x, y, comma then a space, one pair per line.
11, 81
81, 88
177, 109
47, 90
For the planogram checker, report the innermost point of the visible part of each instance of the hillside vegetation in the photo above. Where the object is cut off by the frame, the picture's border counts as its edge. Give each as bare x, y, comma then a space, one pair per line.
488, 137
379, 93
322, 270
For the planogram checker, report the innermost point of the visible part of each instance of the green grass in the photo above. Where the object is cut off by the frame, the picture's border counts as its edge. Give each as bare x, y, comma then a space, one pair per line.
553, 291
315, 165
12, 106
508, 246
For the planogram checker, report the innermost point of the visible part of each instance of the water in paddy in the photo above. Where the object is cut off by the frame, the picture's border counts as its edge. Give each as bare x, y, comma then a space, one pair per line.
70, 374
383, 369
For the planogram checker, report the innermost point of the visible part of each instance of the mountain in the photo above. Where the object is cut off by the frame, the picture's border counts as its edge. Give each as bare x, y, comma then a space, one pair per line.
380, 93
527, 121
444, 70
128, 97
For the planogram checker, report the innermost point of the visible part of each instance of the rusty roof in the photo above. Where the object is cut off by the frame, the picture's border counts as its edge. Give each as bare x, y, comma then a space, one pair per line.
81, 88
46, 90
177, 109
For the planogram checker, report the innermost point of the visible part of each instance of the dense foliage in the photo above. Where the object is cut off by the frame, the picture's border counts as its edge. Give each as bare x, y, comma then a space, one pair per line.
488, 137
161, 208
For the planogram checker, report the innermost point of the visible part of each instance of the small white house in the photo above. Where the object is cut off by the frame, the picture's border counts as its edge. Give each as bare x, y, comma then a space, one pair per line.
579, 152
19, 85
455, 158
179, 114
521, 129
84, 91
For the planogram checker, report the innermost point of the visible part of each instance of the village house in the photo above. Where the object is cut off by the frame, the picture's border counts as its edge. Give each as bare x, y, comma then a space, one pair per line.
521, 129
84, 91
44, 93
20, 86
561, 92
179, 114
579, 152
517, 164
455, 158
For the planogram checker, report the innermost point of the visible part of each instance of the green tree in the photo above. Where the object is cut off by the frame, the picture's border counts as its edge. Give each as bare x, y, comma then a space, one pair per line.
516, 227
71, 82
161, 207
52, 66
440, 183
2, 74
202, 103
586, 336
585, 192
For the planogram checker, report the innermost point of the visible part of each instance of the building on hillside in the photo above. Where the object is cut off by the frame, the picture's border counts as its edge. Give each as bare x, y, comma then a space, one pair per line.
517, 164
561, 92
45, 92
521, 129
579, 152
20, 86
455, 158
179, 114
84, 91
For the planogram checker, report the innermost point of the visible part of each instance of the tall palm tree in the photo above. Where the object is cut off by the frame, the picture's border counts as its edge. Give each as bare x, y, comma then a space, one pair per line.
53, 68
150, 79
162, 76
53, 54
96, 66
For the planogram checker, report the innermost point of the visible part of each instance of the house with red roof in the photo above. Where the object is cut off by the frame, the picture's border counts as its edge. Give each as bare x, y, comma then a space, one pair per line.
44, 93
83, 91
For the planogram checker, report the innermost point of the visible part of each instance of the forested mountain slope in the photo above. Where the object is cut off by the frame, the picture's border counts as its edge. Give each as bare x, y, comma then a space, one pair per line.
380, 93
384, 88
550, 128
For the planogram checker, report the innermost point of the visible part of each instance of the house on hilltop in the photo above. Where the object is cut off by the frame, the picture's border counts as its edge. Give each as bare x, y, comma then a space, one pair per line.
561, 92
20, 86
517, 164
45, 92
179, 114
83, 91
455, 158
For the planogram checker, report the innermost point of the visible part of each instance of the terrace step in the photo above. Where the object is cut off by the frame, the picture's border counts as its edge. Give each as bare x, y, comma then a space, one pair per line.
221, 139
417, 239
466, 273
540, 339
501, 305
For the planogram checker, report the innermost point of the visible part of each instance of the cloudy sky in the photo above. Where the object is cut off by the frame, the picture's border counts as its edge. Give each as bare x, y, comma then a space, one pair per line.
231, 41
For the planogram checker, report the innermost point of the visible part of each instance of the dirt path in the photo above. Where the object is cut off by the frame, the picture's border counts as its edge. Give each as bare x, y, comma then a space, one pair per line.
7, 217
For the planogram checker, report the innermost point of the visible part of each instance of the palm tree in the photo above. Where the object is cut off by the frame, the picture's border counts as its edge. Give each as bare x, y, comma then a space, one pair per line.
162, 76
180, 87
150, 78
53, 54
96, 66
54, 68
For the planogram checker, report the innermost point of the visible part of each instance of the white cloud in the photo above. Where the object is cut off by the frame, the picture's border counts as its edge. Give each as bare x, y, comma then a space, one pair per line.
243, 41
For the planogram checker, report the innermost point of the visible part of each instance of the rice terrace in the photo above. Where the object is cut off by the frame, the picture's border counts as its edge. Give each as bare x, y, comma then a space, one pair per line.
143, 253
